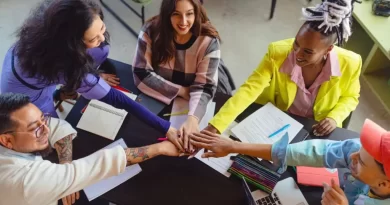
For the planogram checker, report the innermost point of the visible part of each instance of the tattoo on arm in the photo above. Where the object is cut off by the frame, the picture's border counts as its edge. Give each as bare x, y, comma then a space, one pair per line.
133, 153
64, 149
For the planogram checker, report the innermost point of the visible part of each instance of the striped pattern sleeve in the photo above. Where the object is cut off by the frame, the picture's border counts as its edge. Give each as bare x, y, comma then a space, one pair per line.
145, 77
206, 79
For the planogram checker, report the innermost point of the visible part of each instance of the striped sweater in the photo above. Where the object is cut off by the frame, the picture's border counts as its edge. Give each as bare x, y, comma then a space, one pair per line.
194, 65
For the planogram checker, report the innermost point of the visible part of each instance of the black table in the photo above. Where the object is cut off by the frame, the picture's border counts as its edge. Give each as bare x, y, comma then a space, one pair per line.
174, 180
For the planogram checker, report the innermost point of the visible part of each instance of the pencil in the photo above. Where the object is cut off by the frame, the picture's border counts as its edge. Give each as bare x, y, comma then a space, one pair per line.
176, 113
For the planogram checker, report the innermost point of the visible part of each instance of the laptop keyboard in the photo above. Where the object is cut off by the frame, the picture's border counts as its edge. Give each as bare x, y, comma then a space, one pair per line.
272, 199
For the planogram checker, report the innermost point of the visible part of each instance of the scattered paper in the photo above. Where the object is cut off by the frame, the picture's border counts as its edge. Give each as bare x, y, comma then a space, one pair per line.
221, 164
103, 186
228, 131
207, 116
257, 127
181, 105
130, 95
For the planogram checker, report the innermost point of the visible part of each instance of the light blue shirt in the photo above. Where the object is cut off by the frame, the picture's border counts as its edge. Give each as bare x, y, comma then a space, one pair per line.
324, 153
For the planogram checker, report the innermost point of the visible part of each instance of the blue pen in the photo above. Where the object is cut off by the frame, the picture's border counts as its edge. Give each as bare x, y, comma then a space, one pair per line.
280, 130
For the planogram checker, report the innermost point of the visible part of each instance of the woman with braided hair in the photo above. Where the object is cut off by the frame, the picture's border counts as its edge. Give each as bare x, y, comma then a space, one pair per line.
307, 75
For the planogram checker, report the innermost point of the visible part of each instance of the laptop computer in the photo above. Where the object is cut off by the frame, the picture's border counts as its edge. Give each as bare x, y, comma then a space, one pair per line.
286, 192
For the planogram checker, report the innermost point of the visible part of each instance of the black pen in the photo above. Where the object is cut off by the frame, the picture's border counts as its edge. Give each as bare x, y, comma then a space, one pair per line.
234, 138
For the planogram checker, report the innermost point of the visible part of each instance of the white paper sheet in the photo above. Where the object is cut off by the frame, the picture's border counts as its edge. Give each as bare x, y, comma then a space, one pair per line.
228, 130
103, 186
130, 95
221, 164
257, 127
181, 105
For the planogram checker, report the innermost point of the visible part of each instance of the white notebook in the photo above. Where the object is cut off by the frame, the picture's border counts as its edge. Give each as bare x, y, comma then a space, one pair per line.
257, 127
102, 119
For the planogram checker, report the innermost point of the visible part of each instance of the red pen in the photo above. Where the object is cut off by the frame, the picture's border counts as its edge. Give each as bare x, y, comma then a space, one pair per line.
121, 89
162, 139
83, 110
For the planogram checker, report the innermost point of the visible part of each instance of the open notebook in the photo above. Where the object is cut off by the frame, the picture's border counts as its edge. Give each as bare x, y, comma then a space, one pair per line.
102, 119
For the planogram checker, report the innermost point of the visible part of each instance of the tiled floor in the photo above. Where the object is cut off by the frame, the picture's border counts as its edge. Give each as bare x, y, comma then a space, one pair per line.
243, 26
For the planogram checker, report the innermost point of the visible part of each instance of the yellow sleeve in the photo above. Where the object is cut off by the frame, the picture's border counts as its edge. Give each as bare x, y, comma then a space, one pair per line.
246, 94
349, 99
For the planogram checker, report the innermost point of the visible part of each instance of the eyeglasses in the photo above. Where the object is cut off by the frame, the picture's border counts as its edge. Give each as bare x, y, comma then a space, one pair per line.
39, 131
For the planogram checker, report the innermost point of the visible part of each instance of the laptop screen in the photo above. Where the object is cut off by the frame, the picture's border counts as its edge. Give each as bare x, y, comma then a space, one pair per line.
249, 198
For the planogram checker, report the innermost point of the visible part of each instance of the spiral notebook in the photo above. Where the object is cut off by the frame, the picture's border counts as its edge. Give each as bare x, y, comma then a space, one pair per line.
102, 119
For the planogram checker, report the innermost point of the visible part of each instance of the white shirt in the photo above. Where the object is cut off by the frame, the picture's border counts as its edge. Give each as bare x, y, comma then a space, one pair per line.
27, 179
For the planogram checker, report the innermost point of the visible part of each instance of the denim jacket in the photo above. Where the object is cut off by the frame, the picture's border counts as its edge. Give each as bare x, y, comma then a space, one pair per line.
329, 154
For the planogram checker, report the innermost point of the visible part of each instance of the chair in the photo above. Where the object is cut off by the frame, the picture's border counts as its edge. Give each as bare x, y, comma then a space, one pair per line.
347, 121
226, 83
70, 100
273, 5
140, 15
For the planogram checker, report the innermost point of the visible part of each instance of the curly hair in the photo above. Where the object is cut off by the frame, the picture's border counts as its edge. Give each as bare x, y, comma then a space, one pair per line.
332, 18
50, 42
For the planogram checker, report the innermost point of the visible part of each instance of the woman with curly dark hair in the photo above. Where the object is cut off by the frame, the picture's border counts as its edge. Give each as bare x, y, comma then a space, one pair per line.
62, 42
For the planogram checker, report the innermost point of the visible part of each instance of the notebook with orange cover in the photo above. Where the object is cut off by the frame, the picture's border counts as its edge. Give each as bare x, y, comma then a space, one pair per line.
314, 176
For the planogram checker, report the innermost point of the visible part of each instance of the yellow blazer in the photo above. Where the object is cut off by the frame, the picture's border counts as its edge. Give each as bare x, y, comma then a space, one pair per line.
336, 98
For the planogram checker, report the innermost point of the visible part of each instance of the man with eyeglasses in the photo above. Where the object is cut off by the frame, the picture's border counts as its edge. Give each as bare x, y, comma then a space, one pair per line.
27, 135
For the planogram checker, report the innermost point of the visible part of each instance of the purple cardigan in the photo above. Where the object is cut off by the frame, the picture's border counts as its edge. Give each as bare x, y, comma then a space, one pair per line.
92, 87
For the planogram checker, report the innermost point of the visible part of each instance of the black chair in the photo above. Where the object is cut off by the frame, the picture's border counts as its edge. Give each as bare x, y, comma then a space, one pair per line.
226, 83
273, 5
347, 121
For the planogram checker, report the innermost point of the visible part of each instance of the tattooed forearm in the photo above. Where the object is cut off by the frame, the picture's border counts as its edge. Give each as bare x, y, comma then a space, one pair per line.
136, 155
64, 149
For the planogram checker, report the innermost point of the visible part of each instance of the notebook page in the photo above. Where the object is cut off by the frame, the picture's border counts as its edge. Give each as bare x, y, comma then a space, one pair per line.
228, 130
102, 119
180, 105
221, 164
103, 186
257, 127
130, 95
207, 116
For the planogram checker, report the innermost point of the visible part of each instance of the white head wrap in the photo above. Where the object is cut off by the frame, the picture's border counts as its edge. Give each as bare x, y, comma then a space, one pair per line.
332, 15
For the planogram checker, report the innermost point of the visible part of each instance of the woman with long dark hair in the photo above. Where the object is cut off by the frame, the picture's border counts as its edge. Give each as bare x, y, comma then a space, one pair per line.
177, 56
62, 42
